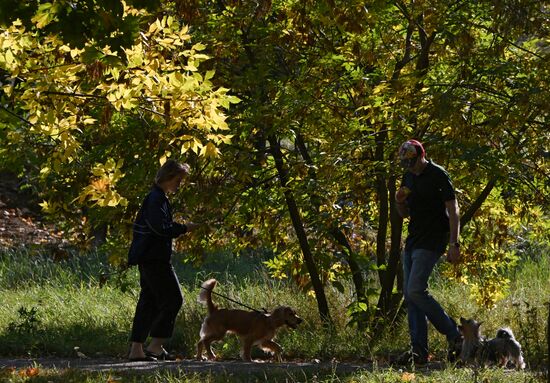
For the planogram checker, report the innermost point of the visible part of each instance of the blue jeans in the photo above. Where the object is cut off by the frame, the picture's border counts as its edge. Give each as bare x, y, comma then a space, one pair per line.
418, 264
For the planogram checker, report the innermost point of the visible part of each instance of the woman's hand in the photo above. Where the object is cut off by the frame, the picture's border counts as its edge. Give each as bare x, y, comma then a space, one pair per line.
191, 226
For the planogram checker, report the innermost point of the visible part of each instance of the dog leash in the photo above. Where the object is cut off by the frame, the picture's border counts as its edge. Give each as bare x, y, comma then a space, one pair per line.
234, 301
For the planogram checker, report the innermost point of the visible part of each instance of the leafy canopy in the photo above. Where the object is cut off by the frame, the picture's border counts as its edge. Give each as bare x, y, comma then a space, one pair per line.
93, 115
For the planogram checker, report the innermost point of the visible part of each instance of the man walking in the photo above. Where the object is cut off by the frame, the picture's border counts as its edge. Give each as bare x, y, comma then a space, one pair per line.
427, 197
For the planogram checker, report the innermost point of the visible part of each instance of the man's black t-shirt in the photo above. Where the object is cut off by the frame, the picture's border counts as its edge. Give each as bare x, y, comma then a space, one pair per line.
429, 221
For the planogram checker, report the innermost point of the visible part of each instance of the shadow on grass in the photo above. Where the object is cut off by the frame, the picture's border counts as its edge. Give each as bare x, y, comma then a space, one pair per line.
65, 341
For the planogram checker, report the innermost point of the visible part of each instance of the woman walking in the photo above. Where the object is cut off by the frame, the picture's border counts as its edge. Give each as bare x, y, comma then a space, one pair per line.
160, 298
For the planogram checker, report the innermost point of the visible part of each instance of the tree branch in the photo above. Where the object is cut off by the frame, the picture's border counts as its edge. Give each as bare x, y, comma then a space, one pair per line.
16, 115
472, 209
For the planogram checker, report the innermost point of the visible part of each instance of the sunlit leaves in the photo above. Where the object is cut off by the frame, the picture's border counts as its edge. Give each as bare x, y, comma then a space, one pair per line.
344, 76
488, 255
60, 89
350, 80
46, 14
101, 190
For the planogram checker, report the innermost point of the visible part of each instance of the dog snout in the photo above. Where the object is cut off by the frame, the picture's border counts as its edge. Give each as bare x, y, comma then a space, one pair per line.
294, 322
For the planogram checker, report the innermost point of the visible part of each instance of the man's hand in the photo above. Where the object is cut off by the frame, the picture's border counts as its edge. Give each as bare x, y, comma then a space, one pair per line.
453, 255
402, 194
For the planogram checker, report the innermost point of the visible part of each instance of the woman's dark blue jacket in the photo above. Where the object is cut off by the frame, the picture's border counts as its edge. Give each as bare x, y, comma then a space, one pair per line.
153, 230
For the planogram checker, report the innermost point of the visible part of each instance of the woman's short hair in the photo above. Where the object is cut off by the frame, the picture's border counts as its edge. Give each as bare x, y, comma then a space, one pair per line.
171, 169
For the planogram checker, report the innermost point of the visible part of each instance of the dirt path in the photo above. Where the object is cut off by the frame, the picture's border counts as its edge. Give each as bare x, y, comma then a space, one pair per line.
193, 366
188, 365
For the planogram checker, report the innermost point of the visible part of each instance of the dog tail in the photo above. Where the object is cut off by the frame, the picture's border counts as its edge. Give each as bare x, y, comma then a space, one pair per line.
205, 295
505, 333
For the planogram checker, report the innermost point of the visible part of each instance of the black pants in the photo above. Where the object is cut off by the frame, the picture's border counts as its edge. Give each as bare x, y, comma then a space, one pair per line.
159, 302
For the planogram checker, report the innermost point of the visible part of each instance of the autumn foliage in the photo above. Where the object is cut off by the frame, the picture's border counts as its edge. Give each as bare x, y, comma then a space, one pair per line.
290, 114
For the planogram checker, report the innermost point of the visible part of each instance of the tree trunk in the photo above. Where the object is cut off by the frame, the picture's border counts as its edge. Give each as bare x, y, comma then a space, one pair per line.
382, 192
322, 304
388, 302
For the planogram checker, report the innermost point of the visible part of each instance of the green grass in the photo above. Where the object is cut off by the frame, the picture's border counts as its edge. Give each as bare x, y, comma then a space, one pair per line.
50, 307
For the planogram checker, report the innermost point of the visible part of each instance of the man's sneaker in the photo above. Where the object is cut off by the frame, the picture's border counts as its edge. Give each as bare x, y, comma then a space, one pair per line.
409, 358
454, 350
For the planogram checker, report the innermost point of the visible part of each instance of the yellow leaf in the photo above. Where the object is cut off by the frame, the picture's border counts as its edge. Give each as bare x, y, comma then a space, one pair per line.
8, 90
379, 88
129, 103
227, 138
218, 121
200, 56
164, 157
209, 74
114, 200
9, 58
199, 47
169, 21
98, 171
148, 82
76, 52
408, 377
44, 205
193, 144
45, 14
210, 151
175, 79
135, 56
167, 41
111, 97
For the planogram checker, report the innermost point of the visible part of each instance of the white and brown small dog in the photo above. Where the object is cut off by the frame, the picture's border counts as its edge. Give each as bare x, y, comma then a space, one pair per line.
253, 328
500, 350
